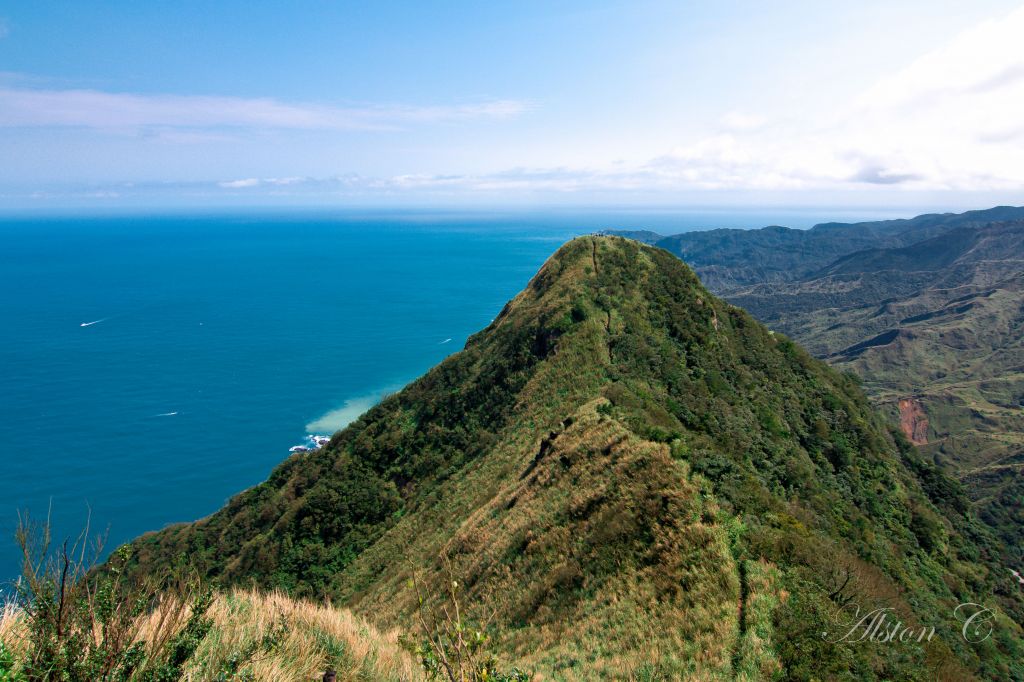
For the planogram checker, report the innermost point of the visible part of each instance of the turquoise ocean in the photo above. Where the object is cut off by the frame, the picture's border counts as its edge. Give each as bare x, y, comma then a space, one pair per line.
153, 365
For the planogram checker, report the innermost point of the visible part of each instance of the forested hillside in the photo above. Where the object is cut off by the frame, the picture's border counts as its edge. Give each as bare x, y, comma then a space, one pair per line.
629, 477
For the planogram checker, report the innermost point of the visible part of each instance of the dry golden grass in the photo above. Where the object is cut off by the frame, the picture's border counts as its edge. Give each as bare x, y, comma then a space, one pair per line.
311, 638
12, 630
315, 636
548, 561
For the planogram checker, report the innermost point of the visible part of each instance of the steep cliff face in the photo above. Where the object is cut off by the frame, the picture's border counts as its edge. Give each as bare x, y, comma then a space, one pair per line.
627, 477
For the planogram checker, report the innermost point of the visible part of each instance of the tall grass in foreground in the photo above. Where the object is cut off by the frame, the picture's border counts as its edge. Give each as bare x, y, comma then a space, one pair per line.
72, 621
308, 638
252, 636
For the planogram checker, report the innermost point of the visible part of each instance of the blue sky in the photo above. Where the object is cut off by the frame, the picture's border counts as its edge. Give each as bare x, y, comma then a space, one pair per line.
662, 103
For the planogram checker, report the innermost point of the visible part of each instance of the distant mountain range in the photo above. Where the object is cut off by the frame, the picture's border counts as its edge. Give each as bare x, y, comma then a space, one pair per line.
729, 258
928, 312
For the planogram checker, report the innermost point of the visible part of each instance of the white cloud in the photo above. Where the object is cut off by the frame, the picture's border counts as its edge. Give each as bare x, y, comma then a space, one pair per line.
740, 120
246, 183
240, 184
952, 119
985, 58
22, 107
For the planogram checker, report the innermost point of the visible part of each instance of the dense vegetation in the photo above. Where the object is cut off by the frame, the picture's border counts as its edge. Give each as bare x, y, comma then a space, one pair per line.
935, 328
628, 477
928, 312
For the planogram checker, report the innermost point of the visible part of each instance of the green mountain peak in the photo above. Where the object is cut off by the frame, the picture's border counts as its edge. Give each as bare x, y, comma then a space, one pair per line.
628, 478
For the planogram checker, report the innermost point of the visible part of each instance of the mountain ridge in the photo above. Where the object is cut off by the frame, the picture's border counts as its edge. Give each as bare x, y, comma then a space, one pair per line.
631, 476
931, 323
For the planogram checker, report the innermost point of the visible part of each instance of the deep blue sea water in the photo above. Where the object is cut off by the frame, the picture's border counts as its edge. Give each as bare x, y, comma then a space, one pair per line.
218, 341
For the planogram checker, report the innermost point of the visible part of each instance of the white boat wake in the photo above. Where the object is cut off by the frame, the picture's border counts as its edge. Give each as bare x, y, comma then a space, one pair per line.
165, 414
444, 342
89, 324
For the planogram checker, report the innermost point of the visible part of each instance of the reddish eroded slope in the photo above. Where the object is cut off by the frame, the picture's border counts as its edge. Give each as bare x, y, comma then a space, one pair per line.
913, 421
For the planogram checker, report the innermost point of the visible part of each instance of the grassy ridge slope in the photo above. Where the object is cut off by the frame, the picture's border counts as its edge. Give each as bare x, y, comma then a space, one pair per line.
292, 640
633, 478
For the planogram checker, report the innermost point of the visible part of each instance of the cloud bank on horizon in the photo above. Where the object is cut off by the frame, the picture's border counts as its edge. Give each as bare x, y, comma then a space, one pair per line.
949, 119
